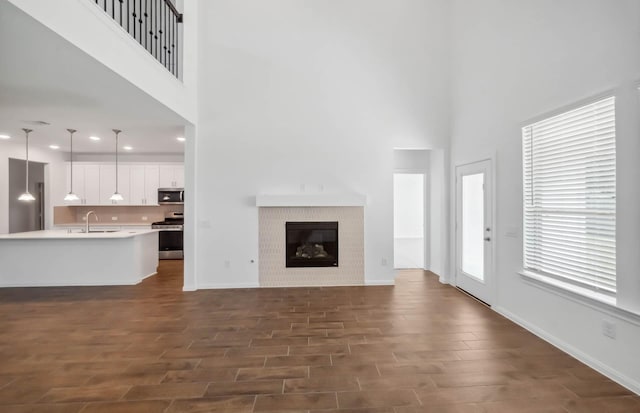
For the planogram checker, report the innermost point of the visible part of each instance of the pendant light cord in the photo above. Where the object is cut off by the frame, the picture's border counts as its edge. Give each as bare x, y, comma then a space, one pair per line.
117, 132
71, 132
26, 165
117, 162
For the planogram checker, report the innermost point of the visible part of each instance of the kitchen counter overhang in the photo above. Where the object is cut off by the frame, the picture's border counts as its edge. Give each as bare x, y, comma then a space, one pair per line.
60, 258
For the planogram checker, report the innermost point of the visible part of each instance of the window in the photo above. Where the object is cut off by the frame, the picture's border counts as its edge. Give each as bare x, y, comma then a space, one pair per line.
569, 165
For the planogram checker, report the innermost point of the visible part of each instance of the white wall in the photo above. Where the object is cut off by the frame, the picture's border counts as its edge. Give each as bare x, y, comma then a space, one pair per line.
515, 61
54, 175
300, 93
86, 26
439, 214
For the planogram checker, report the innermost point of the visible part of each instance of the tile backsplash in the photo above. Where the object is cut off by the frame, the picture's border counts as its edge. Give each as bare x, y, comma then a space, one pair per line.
64, 215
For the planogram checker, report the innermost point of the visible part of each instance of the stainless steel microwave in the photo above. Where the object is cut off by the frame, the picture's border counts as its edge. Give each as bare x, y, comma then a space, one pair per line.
170, 196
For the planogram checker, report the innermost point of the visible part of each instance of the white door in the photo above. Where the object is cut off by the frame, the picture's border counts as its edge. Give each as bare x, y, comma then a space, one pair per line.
166, 174
137, 189
178, 176
108, 184
474, 229
151, 184
91, 176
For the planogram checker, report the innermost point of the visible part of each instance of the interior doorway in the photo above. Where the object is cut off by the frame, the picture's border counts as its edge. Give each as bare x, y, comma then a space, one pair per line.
26, 216
409, 220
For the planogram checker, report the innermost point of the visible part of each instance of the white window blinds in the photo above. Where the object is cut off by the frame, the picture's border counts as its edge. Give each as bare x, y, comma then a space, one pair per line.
569, 165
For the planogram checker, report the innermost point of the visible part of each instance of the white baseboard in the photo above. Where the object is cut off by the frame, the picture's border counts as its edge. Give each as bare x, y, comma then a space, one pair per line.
74, 284
226, 286
147, 276
379, 282
187, 288
613, 374
252, 285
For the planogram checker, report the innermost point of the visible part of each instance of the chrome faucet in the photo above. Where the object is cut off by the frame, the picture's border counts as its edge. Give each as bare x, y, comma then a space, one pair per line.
87, 220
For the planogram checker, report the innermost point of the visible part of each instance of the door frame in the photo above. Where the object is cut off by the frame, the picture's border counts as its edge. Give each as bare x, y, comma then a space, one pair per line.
492, 283
426, 219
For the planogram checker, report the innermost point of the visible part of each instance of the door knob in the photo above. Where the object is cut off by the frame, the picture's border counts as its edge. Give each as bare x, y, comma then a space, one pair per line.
487, 239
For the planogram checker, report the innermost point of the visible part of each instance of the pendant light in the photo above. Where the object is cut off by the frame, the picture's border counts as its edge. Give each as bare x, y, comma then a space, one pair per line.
71, 196
116, 195
26, 196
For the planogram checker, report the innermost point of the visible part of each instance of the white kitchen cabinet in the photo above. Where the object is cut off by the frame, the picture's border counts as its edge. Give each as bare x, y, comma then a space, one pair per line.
108, 184
86, 184
144, 183
94, 183
171, 176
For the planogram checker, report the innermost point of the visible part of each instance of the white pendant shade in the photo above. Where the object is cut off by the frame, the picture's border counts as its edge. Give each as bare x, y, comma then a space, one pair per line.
71, 197
116, 197
26, 197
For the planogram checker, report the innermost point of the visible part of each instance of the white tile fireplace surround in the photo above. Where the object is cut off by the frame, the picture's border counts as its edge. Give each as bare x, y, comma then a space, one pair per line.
272, 245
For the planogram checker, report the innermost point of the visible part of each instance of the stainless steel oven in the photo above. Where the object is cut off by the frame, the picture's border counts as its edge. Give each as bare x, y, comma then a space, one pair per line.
170, 236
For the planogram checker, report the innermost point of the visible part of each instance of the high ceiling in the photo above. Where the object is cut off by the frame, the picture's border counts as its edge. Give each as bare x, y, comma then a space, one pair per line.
45, 78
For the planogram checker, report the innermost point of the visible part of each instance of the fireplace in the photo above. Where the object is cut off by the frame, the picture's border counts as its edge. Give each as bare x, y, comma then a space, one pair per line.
311, 244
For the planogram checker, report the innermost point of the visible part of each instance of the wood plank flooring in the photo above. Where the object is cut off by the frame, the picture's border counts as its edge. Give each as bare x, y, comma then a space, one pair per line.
417, 347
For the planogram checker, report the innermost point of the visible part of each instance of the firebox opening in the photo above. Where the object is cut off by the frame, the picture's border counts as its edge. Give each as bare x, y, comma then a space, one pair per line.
312, 244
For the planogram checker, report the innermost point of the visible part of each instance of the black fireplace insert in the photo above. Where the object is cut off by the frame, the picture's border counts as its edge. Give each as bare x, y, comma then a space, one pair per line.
312, 244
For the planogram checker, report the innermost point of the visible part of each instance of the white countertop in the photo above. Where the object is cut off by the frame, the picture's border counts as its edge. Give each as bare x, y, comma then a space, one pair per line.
64, 234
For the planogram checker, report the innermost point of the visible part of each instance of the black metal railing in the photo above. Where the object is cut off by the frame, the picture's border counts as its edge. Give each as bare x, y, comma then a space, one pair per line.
155, 24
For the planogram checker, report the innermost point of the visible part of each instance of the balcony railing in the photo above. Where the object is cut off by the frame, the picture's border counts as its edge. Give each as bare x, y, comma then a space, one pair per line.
155, 24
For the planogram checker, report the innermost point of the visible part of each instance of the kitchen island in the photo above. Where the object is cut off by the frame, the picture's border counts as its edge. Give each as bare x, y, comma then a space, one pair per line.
64, 258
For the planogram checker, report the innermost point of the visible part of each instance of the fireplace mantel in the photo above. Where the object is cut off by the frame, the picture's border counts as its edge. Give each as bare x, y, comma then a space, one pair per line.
312, 200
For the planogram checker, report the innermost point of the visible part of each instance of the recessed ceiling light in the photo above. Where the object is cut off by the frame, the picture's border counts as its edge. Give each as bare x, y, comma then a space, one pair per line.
5, 137
127, 148
94, 138
54, 147
181, 138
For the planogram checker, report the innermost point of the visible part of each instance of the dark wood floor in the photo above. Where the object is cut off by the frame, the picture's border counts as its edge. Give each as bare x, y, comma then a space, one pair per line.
417, 347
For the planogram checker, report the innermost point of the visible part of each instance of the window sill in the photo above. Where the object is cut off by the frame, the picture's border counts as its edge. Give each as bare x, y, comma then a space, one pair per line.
584, 296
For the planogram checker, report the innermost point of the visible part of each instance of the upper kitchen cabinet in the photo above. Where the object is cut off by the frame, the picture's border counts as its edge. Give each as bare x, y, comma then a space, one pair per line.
94, 183
145, 181
108, 184
86, 180
172, 176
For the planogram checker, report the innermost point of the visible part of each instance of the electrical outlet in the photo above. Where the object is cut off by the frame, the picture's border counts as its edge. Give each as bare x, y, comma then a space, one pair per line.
84, 218
114, 218
144, 218
303, 187
383, 262
227, 264
609, 329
